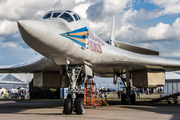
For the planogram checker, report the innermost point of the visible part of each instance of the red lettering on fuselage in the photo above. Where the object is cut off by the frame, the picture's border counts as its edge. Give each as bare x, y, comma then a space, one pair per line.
94, 38
94, 43
94, 46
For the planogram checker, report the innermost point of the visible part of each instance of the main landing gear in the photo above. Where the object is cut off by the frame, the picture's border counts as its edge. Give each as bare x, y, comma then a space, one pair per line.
74, 101
128, 97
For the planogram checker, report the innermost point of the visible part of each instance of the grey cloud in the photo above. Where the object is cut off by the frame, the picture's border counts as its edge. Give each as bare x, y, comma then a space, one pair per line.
95, 12
103, 9
27, 9
144, 14
3, 1
66, 4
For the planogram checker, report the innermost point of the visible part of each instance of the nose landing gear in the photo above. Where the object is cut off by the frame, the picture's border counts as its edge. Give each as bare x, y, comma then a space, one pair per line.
74, 101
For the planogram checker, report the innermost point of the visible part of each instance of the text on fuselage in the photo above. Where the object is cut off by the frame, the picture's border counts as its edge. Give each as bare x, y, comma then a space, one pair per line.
94, 43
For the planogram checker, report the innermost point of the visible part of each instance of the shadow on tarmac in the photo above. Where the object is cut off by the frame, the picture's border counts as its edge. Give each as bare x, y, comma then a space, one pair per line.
173, 109
19, 106
8, 107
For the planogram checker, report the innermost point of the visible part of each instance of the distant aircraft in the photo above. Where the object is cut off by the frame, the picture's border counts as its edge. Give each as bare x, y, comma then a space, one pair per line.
73, 52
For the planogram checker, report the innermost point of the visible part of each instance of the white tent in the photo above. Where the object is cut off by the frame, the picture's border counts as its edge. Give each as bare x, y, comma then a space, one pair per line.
13, 90
172, 83
2, 90
171, 75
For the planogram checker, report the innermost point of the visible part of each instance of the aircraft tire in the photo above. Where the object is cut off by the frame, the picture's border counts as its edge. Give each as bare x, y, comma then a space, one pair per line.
78, 105
67, 106
176, 102
133, 99
123, 99
169, 102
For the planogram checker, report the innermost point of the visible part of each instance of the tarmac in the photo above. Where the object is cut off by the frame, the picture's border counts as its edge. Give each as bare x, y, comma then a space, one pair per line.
52, 110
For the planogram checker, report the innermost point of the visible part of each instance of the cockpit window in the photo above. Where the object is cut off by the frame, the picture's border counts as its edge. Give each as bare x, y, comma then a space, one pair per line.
75, 17
47, 16
78, 16
56, 14
67, 17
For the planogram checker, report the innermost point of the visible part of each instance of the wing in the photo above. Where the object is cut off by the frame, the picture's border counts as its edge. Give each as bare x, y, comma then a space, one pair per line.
135, 49
36, 65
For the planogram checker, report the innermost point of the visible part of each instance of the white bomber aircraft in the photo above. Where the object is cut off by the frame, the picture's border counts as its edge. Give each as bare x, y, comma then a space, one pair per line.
72, 51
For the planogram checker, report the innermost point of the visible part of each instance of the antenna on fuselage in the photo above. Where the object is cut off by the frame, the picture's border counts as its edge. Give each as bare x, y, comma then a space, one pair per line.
112, 41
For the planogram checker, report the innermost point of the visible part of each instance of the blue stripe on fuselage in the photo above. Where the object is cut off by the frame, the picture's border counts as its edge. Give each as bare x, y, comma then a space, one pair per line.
76, 36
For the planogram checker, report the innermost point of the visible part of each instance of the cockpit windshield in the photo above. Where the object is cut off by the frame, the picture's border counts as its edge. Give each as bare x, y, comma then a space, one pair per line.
48, 15
78, 16
56, 14
75, 17
67, 17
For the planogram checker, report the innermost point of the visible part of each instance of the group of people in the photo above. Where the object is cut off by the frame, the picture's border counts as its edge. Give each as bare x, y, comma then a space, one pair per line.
151, 90
139, 91
134, 91
23, 92
103, 92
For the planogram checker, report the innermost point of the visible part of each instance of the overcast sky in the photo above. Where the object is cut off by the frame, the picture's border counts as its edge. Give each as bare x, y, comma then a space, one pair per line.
153, 24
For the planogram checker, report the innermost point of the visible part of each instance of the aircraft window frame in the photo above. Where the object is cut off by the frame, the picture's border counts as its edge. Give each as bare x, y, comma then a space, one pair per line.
68, 11
56, 14
48, 15
75, 16
67, 17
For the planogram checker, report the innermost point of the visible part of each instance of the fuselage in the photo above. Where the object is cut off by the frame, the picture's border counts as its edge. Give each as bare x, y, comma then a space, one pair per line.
67, 39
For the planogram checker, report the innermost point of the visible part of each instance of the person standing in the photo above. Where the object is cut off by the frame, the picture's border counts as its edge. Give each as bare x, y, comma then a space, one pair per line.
2, 94
138, 94
31, 94
108, 91
119, 94
133, 91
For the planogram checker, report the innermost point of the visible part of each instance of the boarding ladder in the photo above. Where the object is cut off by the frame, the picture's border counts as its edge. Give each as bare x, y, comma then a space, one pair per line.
91, 96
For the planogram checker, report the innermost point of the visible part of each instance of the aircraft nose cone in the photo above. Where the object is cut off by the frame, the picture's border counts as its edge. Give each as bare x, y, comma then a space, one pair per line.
32, 28
34, 33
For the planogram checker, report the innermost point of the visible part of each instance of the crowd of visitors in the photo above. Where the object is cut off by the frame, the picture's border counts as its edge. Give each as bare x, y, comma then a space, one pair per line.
139, 91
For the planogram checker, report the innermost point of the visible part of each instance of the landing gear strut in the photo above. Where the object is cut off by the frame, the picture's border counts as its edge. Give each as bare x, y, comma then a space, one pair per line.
74, 101
128, 97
